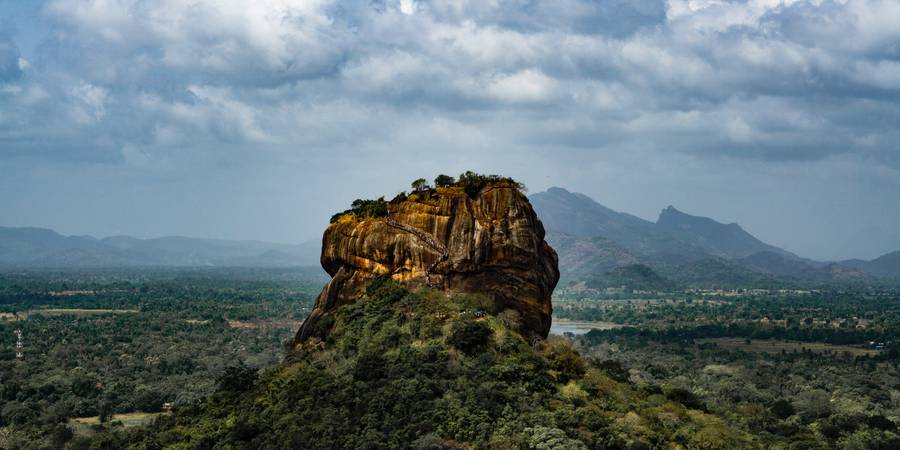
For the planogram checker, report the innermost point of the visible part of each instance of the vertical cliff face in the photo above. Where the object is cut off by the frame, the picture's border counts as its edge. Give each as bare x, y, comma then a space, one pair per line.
492, 244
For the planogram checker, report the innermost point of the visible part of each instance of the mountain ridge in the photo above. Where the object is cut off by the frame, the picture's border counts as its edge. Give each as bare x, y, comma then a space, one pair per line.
42, 247
723, 239
887, 264
593, 239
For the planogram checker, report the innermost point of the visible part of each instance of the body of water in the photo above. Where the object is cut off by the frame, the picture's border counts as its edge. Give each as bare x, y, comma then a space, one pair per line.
577, 327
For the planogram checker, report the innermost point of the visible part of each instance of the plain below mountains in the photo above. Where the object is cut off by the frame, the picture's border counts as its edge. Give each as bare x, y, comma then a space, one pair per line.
40, 247
609, 248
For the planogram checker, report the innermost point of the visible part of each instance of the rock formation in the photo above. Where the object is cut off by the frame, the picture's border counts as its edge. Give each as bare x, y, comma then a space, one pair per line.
491, 243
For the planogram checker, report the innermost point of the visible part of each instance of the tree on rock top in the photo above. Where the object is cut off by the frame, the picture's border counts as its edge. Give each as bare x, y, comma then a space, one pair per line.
444, 181
420, 185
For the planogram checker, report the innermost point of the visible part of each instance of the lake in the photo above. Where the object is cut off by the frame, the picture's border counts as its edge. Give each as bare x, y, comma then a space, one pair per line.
578, 327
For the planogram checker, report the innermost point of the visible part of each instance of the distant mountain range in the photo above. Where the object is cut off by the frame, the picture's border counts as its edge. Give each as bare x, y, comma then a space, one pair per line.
597, 243
884, 265
39, 247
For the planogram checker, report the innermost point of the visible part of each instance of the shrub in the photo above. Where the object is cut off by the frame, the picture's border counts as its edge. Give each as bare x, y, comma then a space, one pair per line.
369, 208
370, 367
472, 183
880, 422
614, 369
363, 209
686, 398
544, 438
782, 409
149, 401
565, 361
470, 337
238, 378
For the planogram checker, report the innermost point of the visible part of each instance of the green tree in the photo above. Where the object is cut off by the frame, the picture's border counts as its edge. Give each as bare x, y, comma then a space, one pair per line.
564, 361
419, 184
444, 180
813, 404
544, 438
470, 337
105, 411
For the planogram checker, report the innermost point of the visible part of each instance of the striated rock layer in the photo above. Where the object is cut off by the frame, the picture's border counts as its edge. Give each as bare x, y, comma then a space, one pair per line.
492, 245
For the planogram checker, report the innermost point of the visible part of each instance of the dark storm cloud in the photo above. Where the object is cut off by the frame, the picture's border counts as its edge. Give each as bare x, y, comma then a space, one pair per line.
664, 91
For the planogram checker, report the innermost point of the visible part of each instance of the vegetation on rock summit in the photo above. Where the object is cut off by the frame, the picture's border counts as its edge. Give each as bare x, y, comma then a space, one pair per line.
469, 182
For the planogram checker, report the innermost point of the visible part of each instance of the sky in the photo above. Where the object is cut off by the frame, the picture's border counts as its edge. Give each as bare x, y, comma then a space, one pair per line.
258, 120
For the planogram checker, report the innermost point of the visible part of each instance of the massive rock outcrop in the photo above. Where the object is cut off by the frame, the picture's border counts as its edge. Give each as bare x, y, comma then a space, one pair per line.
491, 243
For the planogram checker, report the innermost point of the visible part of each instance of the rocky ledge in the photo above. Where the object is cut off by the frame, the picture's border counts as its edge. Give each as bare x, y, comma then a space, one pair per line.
454, 239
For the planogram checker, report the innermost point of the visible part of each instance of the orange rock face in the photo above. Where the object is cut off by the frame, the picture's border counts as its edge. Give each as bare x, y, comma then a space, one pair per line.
492, 245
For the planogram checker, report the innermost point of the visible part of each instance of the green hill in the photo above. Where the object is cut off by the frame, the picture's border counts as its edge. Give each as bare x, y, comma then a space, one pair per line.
419, 370
634, 277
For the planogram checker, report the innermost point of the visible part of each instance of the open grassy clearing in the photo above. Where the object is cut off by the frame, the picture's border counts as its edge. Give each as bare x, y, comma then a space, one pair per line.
777, 346
84, 425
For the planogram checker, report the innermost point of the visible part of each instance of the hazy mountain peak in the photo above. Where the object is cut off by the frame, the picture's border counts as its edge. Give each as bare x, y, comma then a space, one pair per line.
672, 216
718, 238
41, 247
31, 232
578, 215
885, 265
574, 198
676, 237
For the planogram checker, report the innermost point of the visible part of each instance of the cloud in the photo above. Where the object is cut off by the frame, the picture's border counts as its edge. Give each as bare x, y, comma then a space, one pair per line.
210, 111
267, 41
11, 65
749, 79
89, 105
134, 156
565, 84
524, 86
408, 7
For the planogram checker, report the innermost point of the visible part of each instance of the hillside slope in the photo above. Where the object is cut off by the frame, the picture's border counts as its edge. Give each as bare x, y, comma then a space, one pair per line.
419, 370
887, 265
